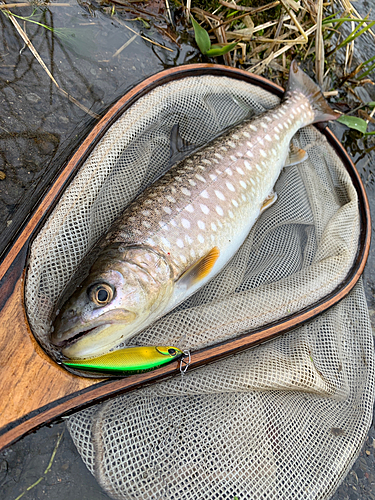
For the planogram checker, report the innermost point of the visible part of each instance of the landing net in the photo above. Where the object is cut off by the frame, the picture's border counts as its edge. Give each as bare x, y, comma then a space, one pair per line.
283, 420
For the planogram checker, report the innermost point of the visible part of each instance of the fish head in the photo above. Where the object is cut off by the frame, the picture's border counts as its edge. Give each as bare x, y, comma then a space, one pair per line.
126, 290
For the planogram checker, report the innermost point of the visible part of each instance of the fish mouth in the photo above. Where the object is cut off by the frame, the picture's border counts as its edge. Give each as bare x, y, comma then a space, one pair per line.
65, 339
84, 342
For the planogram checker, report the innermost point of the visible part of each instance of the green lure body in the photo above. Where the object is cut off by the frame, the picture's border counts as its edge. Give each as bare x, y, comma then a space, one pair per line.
128, 360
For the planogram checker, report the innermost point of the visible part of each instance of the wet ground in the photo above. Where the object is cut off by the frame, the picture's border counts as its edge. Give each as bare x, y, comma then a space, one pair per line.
39, 128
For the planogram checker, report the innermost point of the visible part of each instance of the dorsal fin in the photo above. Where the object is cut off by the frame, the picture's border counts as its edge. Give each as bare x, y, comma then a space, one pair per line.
199, 269
179, 147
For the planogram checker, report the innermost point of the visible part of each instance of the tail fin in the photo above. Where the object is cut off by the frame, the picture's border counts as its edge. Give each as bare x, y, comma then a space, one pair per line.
300, 82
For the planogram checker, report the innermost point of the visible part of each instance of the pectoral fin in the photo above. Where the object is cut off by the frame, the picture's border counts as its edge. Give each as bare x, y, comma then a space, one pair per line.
200, 269
296, 155
269, 201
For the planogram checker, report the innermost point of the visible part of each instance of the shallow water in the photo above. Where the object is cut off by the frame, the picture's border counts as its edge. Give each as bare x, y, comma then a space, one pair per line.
39, 128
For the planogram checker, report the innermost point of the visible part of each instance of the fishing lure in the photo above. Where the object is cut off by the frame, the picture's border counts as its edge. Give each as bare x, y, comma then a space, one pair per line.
128, 360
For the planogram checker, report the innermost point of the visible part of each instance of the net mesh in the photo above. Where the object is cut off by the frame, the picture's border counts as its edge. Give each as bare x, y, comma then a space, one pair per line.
284, 420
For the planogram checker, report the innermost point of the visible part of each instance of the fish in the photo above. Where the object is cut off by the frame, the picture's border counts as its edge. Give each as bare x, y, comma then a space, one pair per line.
185, 227
128, 360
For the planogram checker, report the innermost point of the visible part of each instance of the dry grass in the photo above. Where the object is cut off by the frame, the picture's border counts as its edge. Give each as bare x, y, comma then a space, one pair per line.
273, 34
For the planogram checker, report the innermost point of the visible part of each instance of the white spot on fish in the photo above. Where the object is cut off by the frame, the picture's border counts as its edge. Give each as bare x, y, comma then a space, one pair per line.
239, 154
247, 165
200, 178
246, 134
243, 184
235, 136
243, 197
240, 171
264, 125
167, 210
204, 194
185, 223
165, 227
260, 140
192, 253
213, 177
277, 137
268, 118
185, 191
173, 223
268, 138
146, 224
219, 172
235, 203
223, 148
213, 226
230, 186
180, 243
233, 158
273, 151
201, 225
220, 195
219, 210
189, 208
252, 181
150, 241
228, 171
218, 155
165, 242
231, 214
204, 208
183, 259
249, 145
192, 183
253, 127
232, 144
170, 198
200, 238
258, 167
249, 154
188, 239
263, 153
207, 162
146, 213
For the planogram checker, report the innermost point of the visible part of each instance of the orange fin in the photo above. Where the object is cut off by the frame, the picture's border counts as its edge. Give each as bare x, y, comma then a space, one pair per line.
269, 201
296, 155
200, 269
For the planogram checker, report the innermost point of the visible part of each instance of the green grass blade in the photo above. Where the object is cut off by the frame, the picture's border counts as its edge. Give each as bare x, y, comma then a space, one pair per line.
355, 34
217, 50
354, 123
201, 37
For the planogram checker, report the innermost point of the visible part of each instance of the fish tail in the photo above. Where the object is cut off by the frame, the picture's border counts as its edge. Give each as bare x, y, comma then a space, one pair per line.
302, 83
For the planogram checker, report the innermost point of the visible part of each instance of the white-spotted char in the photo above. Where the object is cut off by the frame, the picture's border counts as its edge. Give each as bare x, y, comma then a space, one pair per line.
183, 229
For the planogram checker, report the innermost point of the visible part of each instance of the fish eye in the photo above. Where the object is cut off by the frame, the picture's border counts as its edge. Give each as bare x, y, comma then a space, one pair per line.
101, 294
172, 352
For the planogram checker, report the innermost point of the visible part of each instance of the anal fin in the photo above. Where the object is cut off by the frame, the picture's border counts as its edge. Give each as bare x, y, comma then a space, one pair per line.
200, 269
